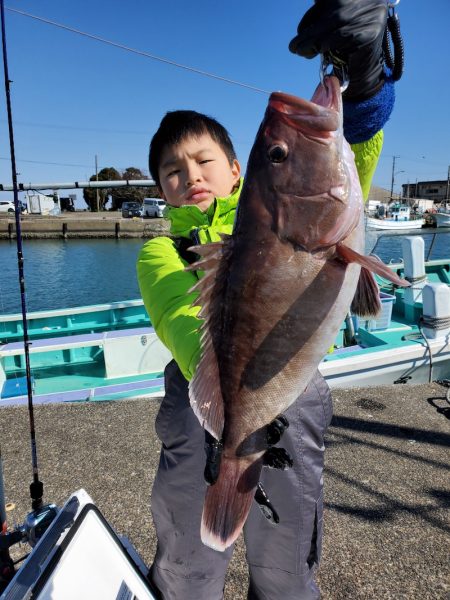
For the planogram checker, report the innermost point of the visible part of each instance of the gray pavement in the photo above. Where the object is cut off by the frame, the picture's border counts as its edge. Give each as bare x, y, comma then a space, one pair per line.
387, 484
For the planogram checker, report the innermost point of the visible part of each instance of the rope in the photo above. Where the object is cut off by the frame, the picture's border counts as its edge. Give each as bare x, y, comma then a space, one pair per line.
430, 323
435, 322
430, 372
414, 280
392, 34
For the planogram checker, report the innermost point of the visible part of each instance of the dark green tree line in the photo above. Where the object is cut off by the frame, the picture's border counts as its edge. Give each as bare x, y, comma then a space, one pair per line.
97, 201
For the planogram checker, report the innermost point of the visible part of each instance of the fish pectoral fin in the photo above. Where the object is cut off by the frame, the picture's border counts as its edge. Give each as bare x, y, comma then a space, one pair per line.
371, 263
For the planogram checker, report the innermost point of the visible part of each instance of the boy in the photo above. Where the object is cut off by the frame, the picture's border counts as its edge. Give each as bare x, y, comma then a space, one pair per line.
194, 165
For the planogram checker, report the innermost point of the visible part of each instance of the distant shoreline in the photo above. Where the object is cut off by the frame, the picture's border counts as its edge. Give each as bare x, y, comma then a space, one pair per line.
76, 225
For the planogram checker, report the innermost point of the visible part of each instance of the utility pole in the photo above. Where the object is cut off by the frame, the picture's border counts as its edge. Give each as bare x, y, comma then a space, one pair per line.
448, 186
392, 180
96, 177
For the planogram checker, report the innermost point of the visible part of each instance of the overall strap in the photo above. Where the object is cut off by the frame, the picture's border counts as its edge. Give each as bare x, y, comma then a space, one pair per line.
183, 243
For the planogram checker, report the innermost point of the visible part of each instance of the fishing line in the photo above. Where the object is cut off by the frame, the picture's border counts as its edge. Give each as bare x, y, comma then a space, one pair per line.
140, 52
36, 487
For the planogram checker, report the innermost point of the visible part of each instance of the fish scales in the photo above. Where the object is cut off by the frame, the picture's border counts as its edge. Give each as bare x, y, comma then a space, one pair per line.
277, 292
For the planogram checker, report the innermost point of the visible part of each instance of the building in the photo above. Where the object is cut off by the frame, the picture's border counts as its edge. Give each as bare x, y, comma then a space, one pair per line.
437, 191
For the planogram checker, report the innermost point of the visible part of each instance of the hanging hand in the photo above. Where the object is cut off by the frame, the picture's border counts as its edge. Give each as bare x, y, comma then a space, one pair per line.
348, 32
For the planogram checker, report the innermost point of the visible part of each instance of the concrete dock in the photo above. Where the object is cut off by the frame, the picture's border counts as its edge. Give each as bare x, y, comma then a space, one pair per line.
387, 484
76, 225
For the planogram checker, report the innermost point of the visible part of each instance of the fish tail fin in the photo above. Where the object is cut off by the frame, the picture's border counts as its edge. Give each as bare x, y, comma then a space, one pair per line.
228, 502
366, 302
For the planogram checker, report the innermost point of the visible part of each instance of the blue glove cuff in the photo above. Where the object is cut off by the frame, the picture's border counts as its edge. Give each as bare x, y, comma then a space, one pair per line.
362, 120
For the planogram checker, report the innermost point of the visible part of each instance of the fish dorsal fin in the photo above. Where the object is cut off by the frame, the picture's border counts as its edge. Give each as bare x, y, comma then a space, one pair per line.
205, 387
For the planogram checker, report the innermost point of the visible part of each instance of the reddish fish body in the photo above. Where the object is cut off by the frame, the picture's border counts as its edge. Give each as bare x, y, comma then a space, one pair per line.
276, 292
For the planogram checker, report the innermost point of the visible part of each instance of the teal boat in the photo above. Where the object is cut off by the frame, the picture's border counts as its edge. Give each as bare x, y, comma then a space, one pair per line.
101, 352
111, 351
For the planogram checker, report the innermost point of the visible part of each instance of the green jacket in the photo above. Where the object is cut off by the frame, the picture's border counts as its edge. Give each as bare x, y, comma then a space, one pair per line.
164, 283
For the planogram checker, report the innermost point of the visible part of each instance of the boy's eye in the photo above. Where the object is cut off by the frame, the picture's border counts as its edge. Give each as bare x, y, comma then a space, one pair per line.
173, 172
205, 160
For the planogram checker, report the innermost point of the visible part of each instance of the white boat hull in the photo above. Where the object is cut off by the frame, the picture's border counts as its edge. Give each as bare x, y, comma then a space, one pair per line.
392, 225
409, 364
442, 219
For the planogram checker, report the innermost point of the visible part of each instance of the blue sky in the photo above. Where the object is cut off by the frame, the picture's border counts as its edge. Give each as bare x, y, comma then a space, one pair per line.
74, 98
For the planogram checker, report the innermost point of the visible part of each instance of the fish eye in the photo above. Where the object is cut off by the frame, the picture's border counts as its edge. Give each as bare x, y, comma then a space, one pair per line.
278, 152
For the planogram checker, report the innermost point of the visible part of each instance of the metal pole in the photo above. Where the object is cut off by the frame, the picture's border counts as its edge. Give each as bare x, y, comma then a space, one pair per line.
448, 186
74, 185
36, 487
393, 175
96, 177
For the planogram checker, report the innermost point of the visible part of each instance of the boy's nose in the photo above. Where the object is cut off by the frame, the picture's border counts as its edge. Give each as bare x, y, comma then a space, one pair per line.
193, 176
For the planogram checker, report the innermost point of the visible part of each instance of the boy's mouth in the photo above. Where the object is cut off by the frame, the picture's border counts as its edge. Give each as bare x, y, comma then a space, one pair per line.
196, 194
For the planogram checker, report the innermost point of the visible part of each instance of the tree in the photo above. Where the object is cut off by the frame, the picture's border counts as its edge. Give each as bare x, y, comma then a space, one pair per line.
132, 194
121, 194
90, 194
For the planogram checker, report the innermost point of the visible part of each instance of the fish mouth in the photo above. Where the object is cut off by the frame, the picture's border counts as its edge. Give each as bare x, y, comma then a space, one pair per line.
323, 113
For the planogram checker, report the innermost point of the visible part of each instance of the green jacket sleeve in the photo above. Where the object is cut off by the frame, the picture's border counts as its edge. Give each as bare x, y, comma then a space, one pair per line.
165, 286
366, 160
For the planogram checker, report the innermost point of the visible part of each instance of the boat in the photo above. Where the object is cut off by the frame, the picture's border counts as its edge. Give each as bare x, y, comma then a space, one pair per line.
100, 352
399, 217
442, 219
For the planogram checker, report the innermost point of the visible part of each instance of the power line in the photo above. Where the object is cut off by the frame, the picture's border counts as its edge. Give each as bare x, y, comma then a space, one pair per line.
139, 52
74, 128
39, 162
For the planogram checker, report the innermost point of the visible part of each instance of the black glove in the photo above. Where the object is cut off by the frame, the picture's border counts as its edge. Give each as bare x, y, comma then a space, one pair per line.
274, 458
349, 32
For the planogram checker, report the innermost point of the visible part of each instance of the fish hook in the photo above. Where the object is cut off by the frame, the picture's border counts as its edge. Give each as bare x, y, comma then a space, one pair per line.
338, 68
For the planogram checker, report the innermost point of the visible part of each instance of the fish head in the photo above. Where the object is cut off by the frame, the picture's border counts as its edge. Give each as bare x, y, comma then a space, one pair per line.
307, 178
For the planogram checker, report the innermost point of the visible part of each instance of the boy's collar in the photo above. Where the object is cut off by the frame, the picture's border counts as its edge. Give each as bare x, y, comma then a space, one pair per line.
185, 218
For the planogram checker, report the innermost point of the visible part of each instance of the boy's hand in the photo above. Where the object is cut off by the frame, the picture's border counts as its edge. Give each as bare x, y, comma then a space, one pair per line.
349, 32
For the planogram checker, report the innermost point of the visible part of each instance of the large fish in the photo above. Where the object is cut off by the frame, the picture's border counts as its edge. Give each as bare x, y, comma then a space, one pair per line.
275, 293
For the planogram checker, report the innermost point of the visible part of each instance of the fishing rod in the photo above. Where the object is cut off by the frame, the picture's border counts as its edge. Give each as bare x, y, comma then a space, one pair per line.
40, 516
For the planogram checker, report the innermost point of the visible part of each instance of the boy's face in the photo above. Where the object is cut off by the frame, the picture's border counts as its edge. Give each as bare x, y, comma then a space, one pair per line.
196, 171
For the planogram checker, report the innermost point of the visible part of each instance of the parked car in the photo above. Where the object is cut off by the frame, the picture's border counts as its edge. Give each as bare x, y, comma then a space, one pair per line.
7, 206
131, 209
154, 207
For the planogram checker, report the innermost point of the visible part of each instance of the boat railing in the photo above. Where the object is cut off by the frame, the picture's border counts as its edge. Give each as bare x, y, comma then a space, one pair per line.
382, 235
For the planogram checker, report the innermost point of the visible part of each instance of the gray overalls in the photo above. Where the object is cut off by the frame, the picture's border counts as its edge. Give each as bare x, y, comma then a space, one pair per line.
281, 558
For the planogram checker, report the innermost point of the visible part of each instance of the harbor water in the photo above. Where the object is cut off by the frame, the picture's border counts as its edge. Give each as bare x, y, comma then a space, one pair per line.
63, 274
78, 272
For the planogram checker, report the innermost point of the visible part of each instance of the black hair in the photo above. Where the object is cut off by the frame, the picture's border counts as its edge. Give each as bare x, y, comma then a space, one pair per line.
178, 125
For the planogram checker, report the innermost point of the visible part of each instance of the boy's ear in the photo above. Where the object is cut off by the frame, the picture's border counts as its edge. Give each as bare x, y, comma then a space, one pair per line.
236, 169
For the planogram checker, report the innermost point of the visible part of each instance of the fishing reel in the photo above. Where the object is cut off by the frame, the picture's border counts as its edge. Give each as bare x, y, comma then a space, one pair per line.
35, 525
37, 522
